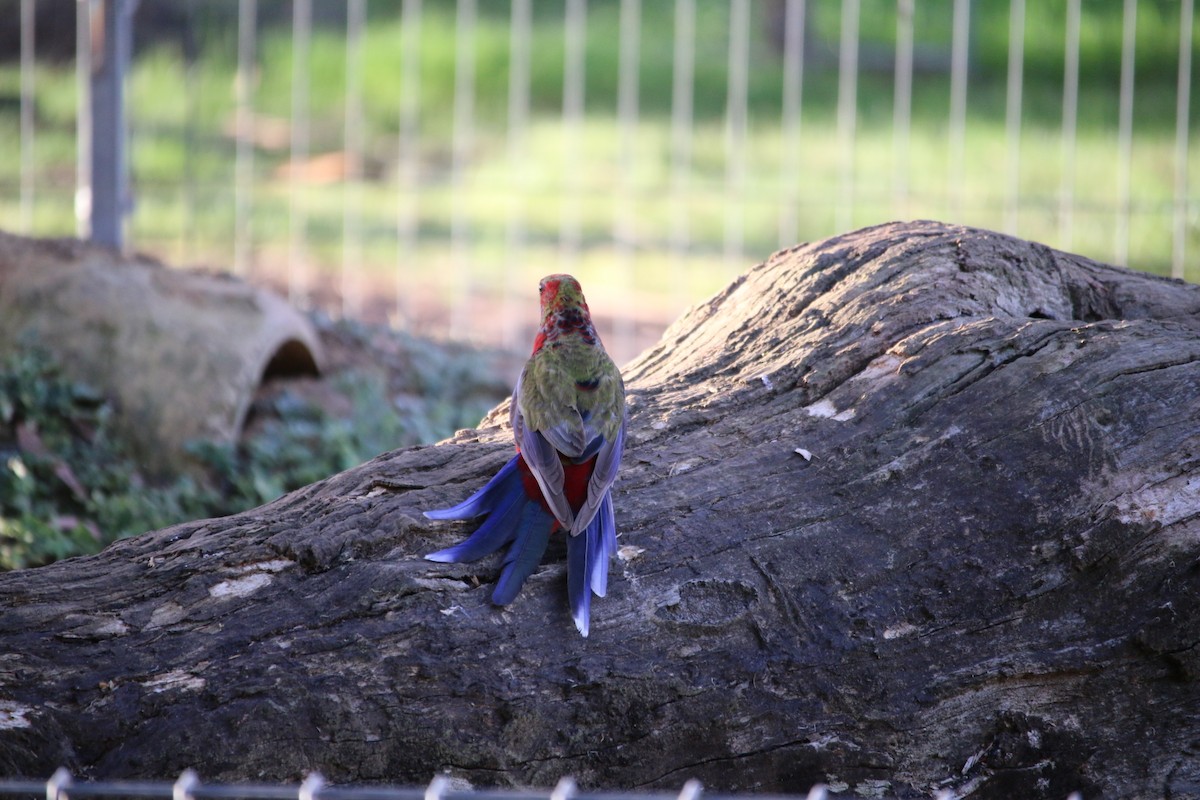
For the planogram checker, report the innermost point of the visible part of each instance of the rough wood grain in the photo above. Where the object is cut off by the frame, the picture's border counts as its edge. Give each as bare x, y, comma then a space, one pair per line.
987, 578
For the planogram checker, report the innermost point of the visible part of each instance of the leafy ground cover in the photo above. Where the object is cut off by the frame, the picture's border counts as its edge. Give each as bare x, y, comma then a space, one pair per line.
69, 486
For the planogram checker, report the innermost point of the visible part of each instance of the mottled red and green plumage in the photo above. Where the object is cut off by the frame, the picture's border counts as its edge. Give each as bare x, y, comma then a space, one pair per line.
568, 418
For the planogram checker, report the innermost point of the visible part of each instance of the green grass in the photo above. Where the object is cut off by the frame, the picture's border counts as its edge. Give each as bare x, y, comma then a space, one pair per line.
166, 98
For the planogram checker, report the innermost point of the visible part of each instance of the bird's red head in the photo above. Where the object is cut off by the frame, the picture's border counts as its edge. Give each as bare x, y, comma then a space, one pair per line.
559, 292
564, 312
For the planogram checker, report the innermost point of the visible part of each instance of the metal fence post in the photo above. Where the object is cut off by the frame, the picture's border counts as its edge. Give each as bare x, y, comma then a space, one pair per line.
1070, 116
28, 99
625, 224
408, 221
298, 178
736, 122
353, 143
902, 105
105, 178
244, 89
519, 98
1182, 98
959, 47
461, 144
570, 233
794, 13
1125, 135
1012, 114
847, 112
682, 125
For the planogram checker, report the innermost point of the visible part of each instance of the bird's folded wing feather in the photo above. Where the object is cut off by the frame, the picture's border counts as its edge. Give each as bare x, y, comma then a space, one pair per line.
608, 459
543, 461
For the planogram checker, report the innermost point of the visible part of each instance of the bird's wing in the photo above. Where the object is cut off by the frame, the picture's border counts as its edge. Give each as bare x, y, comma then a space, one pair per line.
608, 460
542, 459
570, 436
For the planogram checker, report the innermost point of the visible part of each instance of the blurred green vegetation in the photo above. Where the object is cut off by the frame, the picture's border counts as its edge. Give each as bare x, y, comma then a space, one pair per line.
69, 484
182, 148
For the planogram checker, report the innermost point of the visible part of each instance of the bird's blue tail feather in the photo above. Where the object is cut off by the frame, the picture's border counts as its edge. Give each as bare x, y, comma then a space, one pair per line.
512, 519
588, 555
497, 530
531, 533
484, 500
521, 523
603, 546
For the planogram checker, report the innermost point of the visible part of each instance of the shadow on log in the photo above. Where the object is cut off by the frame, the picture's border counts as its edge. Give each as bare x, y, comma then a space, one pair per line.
987, 577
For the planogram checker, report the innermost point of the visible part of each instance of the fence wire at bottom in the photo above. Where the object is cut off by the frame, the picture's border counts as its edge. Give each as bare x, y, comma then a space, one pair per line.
63, 786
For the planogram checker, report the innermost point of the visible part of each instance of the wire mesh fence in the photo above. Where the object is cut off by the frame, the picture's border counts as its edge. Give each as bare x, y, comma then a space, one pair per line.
426, 161
61, 786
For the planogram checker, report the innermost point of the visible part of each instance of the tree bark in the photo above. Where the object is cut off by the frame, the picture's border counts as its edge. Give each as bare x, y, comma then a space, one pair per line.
987, 577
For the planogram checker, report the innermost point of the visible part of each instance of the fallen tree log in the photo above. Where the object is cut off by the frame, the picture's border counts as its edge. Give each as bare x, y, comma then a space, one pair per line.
986, 577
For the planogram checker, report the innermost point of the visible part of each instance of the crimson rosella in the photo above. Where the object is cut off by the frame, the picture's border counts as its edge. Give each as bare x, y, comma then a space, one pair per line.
568, 419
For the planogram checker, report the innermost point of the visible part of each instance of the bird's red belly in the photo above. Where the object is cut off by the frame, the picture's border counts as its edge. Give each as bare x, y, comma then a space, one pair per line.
575, 482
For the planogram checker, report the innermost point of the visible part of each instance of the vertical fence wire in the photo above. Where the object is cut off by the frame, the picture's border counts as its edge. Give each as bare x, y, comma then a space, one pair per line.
793, 88
574, 33
463, 139
1182, 97
519, 76
902, 109
629, 230
297, 271
243, 171
847, 112
407, 210
110, 150
83, 116
682, 91
958, 106
1012, 115
352, 201
1070, 113
735, 130
1125, 134
28, 104
191, 92
625, 232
